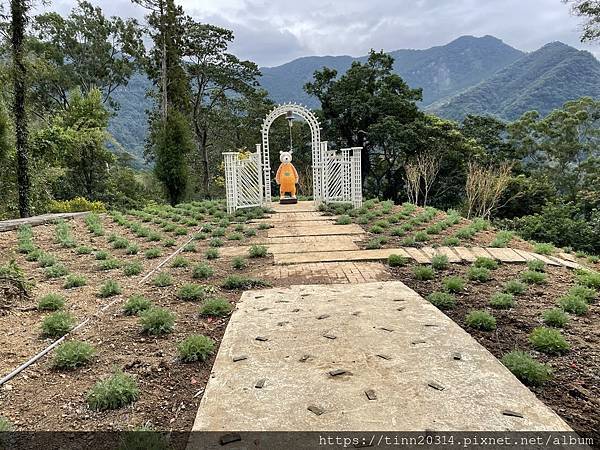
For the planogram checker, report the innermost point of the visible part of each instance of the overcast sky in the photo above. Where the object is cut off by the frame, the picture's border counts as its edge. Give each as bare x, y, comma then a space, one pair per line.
277, 31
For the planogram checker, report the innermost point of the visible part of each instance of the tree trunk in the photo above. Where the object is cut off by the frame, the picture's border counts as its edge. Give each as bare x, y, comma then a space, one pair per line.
163, 67
18, 21
205, 164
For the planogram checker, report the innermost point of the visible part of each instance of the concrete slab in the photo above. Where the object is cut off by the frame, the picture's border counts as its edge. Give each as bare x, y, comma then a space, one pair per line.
465, 254
417, 255
302, 206
325, 230
7, 225
480, 252
315, 240
546, 259
322, 348
302, 223
346, 255
330, 246
452, 256
506, 255
525, 254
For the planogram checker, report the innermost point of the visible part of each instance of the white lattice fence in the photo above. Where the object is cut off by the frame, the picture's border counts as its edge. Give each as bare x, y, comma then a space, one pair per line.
243, 180
342, 177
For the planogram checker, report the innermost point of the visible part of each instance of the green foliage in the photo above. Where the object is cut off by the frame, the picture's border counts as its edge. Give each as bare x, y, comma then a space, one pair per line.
527, 369
94, 224
57, 324
588, 279
487, 263
5, 425
233, 282
202, 271
238, 263
453, 284
533, 277
136, 304
440, 262
132, 269
212, 253
152, 253
77, 204
191, 292
397, 260
114, 392
217, 307
514, 287
421, 236
189, 248
216, 242
195, 348
132, 249
502, 301
442, 300
481, 320
536, 265
257, 251
480, 274
163, 279
73, 281
502, 239
585, 293
72, 354
157, 321
555, 317
120, 243
101, 255
56, 271
83, 250
343, 220
548, 340
544, 249
109, 264
423, 273
179, 261
51, 302
452, 241
573, 304
109, 288
169, 243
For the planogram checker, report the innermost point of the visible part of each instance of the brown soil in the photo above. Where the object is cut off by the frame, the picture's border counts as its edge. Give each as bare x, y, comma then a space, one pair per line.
42, 398
574, 391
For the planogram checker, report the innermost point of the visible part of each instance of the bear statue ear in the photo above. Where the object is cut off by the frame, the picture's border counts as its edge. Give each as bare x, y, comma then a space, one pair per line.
291, 151
280, 152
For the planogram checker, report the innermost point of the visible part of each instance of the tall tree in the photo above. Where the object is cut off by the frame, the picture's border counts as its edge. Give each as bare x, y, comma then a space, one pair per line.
590, 9
19, 10
85, 50
217, 80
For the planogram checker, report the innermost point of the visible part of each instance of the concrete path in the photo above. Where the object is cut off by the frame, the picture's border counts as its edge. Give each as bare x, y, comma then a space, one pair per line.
7, 225
363, 357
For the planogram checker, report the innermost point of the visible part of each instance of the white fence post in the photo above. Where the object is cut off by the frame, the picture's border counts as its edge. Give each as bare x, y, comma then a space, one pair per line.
356, 177
231, 159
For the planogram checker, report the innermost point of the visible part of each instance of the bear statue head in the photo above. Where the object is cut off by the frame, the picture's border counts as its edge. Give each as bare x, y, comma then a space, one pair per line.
285, 157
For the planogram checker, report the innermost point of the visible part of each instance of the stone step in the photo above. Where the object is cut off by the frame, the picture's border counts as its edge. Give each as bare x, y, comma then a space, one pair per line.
324, 230
276, 249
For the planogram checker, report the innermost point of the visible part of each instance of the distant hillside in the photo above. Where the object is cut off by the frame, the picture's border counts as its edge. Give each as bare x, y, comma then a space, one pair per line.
440, 71
542, 81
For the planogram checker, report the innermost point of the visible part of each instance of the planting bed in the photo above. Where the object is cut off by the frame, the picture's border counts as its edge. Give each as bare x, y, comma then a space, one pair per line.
45, 398
574, 390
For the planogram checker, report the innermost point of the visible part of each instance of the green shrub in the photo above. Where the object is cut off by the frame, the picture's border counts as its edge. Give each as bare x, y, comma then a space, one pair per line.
51, 302
136, 304
586, 293
242, 282
195, 348
344, 220
180, 231
216, 242
163, 279
189, 248
423, 273
514, 287
153, 253
133, 268
77, 204
257, 251
34, 255
235, 236
157, 321
57, 324
63, 235
502, 301
216, 306
202, 271
212, 253
440, 262
238, 262
374, 244
109, 264
218, 232
532, 277
573, 304
397, 260
56, 271
502, 239
169, 242
480, 274
486, 263
453, 284
544, 249
132, 249
536, 265
588, 278
264, 226
452, 241
442, 300
120, 243
250, 232
83, 250
101, 255
526, 369
73, 281
548, 340
114, 392
421, 236
555, 317
72, 354
179, 261
481, 320
110, 288
191, 292
154, 236
5, 426
46, 260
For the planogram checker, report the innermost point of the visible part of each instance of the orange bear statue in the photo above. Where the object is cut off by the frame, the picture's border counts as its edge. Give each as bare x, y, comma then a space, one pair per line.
287, 176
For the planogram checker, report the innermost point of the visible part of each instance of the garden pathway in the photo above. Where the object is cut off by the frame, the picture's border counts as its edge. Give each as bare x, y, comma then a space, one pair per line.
355, 356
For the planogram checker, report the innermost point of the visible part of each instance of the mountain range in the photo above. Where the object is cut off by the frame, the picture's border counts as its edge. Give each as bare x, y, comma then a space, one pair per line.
470, 75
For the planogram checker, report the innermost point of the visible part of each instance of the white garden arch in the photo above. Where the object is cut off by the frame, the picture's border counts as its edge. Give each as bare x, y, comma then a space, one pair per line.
336, 175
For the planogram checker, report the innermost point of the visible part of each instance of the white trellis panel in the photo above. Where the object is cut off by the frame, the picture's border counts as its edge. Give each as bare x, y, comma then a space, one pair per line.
342, 176
243, 180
